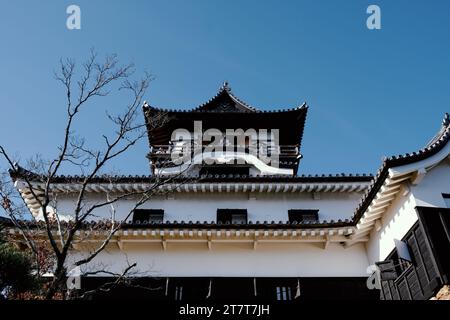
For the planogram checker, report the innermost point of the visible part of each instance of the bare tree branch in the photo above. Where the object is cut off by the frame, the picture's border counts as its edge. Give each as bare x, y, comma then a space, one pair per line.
119, 279
97, 79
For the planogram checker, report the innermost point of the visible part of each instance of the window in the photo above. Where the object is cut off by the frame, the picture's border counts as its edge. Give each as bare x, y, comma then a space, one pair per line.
388, 270
233, 216
446, 199
284, 293
178, 293
303, 215
400, 264
148, 216
395, 265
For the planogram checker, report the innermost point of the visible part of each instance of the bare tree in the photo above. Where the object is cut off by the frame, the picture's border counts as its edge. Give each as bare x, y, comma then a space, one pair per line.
97, 79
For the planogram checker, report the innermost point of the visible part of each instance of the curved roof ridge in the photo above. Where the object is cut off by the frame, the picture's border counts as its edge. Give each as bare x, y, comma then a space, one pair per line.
444, 127
225, 89
434, 146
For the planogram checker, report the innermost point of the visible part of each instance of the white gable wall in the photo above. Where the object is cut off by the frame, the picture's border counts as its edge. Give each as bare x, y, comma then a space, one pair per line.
436, 181
401, 214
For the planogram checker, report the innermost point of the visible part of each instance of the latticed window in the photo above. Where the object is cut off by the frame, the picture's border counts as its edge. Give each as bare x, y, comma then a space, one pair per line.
303, 215
234, 216
148, 216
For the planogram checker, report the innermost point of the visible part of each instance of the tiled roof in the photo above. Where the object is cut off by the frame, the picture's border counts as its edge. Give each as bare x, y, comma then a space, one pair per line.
218, 103
106, 225
22, 173
435, 145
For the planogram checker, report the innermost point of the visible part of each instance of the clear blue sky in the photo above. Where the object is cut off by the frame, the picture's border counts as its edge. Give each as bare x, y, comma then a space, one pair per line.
371, 93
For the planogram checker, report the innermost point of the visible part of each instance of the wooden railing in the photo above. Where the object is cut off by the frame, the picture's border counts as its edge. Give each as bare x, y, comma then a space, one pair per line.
283, 151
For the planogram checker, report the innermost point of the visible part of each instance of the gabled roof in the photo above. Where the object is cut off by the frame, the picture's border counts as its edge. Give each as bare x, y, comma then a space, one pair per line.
234, 114
434, 146
224, 102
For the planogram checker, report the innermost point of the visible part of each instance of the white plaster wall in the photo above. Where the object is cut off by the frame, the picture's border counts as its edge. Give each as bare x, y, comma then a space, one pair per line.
203, 206
396, 221
238, 260
401, 215
437, 181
